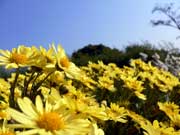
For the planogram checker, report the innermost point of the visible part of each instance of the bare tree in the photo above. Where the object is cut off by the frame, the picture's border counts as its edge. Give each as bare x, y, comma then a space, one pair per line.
172, 14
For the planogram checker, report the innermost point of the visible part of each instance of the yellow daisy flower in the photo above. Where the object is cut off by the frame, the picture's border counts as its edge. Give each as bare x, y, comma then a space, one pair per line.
81, 108
169, 108
137, 86
4, 114
117, 113
20, 57
4, 93
51, 119
64, 64
172, 111
107, 83
49, 57
156, 128
95, 130
57, 77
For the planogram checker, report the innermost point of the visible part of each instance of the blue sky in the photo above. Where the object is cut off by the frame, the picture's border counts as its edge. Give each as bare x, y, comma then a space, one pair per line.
76, 23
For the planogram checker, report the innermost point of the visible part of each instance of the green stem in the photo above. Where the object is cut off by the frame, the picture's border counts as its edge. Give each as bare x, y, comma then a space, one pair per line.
35, 87
11, 97
26, 84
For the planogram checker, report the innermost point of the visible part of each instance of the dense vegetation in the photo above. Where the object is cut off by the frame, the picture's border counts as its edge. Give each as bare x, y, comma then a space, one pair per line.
106, 54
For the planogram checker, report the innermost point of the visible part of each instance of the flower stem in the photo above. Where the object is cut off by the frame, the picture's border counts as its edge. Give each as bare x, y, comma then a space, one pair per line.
11, 97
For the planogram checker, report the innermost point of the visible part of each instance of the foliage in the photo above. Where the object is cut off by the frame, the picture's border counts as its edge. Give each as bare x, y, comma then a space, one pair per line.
4, 73
94, 53
56, 97
100, 52
132, 51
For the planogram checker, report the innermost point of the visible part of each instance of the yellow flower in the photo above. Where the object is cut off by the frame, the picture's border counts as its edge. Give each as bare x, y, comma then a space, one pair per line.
117, 113
49, 57
79, 103
20, 57
138, 63
169, 108
107, 83
172, 111
165, 80
52, 119
136, 117
133, 84
95, 130
4, 93
156, 128
4, 86
54, 96
57, 77
4, 114
64, 64
84, 109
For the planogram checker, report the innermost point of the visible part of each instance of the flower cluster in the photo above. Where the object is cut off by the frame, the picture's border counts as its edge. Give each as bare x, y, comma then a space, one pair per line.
55, 97
48, 98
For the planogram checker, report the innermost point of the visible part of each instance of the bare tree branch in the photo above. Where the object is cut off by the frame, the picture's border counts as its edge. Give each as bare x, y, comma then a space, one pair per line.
173, 19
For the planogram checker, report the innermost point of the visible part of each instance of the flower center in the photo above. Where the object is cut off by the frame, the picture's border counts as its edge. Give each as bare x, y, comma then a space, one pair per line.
19, 58
3, 115
65, 62
7, 133
50, 121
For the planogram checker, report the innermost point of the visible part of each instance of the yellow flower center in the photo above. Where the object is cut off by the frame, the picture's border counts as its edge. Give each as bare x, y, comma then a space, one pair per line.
7, 133
19, 58
3, 115
64, 62
50, 121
